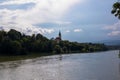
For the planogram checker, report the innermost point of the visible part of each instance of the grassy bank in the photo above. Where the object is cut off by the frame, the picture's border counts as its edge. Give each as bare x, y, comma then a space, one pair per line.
4, 58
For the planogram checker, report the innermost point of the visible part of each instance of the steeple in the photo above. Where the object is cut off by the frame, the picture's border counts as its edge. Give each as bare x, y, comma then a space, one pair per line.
58, 39
59, 34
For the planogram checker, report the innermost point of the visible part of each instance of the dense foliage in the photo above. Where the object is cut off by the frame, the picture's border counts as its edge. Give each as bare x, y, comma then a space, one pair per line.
116, 9
16, 43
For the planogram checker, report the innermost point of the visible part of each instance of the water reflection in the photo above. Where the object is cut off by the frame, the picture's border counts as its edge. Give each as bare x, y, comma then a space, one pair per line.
41, 60
13, 64
60, 57
64, 67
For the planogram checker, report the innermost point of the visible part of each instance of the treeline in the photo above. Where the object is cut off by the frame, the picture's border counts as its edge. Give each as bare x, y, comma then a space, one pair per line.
15, 43
113, 47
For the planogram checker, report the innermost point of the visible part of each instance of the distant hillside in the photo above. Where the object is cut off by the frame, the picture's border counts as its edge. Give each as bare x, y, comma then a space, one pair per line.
110, 42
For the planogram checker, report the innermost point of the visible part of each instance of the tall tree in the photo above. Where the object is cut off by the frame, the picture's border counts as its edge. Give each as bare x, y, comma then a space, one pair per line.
14, 35
116, 9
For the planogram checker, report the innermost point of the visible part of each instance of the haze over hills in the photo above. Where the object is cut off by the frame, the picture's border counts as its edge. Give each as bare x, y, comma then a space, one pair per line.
110, 42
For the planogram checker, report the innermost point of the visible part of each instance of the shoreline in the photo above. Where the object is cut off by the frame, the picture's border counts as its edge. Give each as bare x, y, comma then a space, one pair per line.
6, 58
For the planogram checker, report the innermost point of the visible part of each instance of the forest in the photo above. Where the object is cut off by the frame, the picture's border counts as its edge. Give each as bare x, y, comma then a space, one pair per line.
16, 43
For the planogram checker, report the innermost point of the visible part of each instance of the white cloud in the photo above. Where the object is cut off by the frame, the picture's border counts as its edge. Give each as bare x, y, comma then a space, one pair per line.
28, 29
78, 30
62, 22
114, 33
115, 26
114, 29
67, 31
42, 12
17, 2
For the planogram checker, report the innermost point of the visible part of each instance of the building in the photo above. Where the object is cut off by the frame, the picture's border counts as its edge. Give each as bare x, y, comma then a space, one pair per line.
59, 38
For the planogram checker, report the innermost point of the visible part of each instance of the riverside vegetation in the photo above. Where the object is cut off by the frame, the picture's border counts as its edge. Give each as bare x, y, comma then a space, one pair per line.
14, 43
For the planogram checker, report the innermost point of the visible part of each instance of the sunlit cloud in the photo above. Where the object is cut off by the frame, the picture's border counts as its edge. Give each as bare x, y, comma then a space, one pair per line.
28, 29
67, 31
78, 30
17, 2
114, 29
114, 33
44, 11
62, 22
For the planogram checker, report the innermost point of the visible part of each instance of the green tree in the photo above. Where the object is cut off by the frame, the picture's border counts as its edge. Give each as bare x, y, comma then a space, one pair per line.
57, 49
14, 35
39, 36
10, 47
2, 35
65, 49
16, 47
116, 9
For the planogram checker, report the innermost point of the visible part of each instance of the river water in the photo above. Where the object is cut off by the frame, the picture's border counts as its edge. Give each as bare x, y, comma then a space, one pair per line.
89, 66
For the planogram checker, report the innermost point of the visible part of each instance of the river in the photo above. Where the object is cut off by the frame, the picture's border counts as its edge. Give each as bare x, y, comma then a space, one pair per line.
89, 66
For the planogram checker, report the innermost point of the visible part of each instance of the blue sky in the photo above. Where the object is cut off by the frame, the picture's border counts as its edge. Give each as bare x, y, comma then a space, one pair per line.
78, 20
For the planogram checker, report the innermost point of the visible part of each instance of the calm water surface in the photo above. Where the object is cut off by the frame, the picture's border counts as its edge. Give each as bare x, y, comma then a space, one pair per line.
90, 66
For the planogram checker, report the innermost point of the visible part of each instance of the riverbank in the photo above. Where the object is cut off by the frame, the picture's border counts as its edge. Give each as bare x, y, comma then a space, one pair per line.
5, 58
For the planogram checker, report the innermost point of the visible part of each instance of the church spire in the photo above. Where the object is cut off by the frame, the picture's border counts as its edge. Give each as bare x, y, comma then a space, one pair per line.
59, 38
59, 34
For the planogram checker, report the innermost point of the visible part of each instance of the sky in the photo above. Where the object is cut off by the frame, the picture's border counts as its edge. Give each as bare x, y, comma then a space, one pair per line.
78, 20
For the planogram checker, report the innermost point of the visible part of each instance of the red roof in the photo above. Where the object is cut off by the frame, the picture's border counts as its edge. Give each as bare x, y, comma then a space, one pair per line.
58, 38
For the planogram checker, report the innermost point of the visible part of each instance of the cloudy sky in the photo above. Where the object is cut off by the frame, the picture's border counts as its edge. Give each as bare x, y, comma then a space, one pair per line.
78, 20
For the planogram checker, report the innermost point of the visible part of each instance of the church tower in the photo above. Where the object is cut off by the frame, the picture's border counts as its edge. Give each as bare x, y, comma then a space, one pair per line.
59, 38
60, 35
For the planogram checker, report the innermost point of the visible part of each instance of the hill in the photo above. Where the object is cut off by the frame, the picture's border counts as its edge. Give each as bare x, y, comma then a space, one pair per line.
111, 44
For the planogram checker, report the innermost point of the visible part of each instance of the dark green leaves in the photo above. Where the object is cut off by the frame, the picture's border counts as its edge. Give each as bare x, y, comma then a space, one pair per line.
116, 9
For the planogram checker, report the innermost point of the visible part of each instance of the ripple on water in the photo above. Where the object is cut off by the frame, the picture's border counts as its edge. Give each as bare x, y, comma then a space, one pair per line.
93, 66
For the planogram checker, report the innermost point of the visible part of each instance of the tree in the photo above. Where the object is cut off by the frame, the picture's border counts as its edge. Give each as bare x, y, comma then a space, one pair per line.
15, 47
2, 35
14, 35
116, 9
58, 49
65, 49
